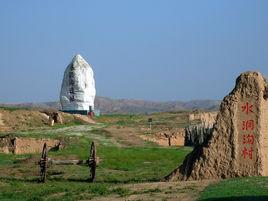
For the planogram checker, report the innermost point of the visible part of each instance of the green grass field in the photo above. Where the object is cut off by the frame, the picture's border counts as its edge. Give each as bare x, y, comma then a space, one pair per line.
240, 189
118, 165
125, 172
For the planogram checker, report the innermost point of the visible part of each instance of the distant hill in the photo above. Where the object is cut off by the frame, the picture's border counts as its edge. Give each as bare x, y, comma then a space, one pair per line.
123, 106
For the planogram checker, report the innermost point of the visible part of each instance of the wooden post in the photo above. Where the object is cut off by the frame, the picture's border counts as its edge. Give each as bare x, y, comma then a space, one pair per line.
150, 120
66, 162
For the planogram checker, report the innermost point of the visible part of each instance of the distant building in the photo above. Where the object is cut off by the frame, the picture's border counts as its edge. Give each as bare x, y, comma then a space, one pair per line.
78, 87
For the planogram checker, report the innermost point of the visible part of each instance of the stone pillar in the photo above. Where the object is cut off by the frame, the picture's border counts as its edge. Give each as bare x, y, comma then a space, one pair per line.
238, 143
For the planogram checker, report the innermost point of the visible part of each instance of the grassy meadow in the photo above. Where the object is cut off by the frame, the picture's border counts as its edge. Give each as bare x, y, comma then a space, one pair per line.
129, 169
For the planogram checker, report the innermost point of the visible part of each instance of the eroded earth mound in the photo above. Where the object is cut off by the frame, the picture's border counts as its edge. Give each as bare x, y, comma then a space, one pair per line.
167, 137
23, 119
238, 145
16, 145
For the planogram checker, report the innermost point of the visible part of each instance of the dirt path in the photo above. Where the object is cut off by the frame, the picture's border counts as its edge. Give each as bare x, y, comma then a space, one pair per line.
157, 191
77, 130
127, 136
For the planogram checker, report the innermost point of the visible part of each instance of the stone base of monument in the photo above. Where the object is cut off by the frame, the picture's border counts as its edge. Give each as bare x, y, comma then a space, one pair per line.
82, 112
238, 145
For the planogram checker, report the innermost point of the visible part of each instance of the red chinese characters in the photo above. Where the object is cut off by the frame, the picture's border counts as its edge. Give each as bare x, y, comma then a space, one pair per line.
248, 139
248, 126
247, 108
247, 152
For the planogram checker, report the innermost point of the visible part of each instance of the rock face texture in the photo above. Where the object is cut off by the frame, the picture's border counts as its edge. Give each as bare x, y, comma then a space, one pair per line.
197, 134
206, 118
238, 145
200, 128
78, 86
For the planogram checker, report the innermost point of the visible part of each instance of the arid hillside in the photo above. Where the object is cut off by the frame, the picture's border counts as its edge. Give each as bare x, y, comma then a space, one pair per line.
30, 119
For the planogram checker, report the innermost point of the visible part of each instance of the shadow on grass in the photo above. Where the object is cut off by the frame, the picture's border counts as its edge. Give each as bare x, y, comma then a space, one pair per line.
32, 180
103, 181
238, 198
86, 180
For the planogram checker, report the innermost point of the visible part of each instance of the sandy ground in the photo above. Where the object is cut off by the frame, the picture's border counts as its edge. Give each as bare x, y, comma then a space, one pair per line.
126, 136
1, 120
3, 127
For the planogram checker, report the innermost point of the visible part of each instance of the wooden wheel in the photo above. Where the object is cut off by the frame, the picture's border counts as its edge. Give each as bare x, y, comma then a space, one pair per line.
43, 164
92, 162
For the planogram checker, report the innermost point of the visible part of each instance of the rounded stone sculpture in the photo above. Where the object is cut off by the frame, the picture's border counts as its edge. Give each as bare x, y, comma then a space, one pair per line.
78, 86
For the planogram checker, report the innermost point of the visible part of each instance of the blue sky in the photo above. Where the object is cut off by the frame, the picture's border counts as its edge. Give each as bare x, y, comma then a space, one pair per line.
143, 49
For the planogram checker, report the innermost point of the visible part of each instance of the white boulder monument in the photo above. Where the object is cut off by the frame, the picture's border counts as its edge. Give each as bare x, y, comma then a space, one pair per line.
78, 87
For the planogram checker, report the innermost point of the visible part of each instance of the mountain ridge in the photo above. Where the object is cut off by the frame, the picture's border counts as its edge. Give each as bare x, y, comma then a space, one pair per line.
123, 106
